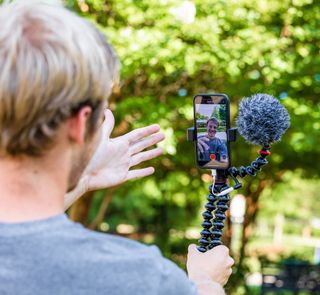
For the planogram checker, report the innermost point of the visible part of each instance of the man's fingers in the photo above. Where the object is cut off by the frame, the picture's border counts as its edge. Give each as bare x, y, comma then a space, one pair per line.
200, 148
229, 273
203, 145
230, 262
145, 156
146, 142
140, 133
138, 173
203, 138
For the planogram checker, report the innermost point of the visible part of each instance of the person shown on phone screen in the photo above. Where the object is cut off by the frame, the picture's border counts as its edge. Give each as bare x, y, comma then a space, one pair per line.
57, 72
209, 146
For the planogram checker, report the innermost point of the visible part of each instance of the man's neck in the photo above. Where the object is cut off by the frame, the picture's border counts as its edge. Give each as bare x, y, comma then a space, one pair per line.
31, 189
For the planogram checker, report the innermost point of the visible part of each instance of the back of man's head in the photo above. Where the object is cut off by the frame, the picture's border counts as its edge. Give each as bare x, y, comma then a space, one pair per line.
52, 62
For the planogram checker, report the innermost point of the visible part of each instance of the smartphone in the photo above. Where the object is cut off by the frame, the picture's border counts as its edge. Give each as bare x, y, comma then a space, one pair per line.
212, 122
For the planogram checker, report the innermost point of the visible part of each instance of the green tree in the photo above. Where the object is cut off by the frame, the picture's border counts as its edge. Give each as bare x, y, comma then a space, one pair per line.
171, 50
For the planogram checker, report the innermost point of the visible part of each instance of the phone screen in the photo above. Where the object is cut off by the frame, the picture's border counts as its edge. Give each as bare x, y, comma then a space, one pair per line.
212, 121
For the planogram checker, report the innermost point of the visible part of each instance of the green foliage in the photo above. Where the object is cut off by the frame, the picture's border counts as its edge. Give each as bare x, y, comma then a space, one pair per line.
169, 53
294, 197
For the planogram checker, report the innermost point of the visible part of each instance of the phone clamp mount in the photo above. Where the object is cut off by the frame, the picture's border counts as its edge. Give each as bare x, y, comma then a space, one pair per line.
219, 193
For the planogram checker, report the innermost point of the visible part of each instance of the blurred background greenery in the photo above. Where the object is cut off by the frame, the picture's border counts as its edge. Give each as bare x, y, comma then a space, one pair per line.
173, 49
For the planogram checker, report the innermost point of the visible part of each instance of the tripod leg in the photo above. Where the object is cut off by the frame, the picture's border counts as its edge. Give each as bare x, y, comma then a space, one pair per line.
206, 224
220, 216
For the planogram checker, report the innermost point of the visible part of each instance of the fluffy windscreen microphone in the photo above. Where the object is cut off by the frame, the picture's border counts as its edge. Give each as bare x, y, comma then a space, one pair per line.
262, 119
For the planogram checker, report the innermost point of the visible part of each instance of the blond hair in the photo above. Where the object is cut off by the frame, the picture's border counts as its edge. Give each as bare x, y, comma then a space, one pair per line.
51, 62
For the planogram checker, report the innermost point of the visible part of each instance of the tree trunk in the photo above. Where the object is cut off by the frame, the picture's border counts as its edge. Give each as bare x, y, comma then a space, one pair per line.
227, 237
252, 208
103, 209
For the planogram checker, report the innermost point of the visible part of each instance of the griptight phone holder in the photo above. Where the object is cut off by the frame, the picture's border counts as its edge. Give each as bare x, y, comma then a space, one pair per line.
262, 121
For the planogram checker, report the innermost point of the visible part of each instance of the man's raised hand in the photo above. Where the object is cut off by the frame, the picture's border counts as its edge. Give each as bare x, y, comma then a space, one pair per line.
112, 161
202, 144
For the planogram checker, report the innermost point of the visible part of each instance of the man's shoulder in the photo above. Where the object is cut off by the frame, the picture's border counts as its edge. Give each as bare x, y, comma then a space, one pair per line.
99, 248
101, 243
120, 244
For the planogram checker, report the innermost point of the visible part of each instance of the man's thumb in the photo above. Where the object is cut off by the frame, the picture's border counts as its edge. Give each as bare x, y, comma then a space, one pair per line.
192, 248
108, 123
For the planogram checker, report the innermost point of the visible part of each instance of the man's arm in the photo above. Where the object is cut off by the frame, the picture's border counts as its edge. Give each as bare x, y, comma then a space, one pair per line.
76, 193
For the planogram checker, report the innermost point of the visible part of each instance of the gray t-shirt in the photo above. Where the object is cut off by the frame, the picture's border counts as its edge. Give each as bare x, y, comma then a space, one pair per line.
57, 256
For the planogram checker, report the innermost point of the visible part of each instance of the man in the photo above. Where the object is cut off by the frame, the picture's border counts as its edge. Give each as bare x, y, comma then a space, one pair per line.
210, 147
57, 72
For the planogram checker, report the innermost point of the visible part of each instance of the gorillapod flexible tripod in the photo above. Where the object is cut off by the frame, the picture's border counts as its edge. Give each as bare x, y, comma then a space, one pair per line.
219, 197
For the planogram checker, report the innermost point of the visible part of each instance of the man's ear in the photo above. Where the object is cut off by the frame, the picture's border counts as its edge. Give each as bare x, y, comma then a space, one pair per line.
77, 125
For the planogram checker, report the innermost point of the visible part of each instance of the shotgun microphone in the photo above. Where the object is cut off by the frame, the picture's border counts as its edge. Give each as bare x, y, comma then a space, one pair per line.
262, 119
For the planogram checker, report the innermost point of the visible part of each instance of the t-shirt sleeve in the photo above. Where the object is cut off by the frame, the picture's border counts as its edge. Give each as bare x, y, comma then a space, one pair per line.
173, 280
